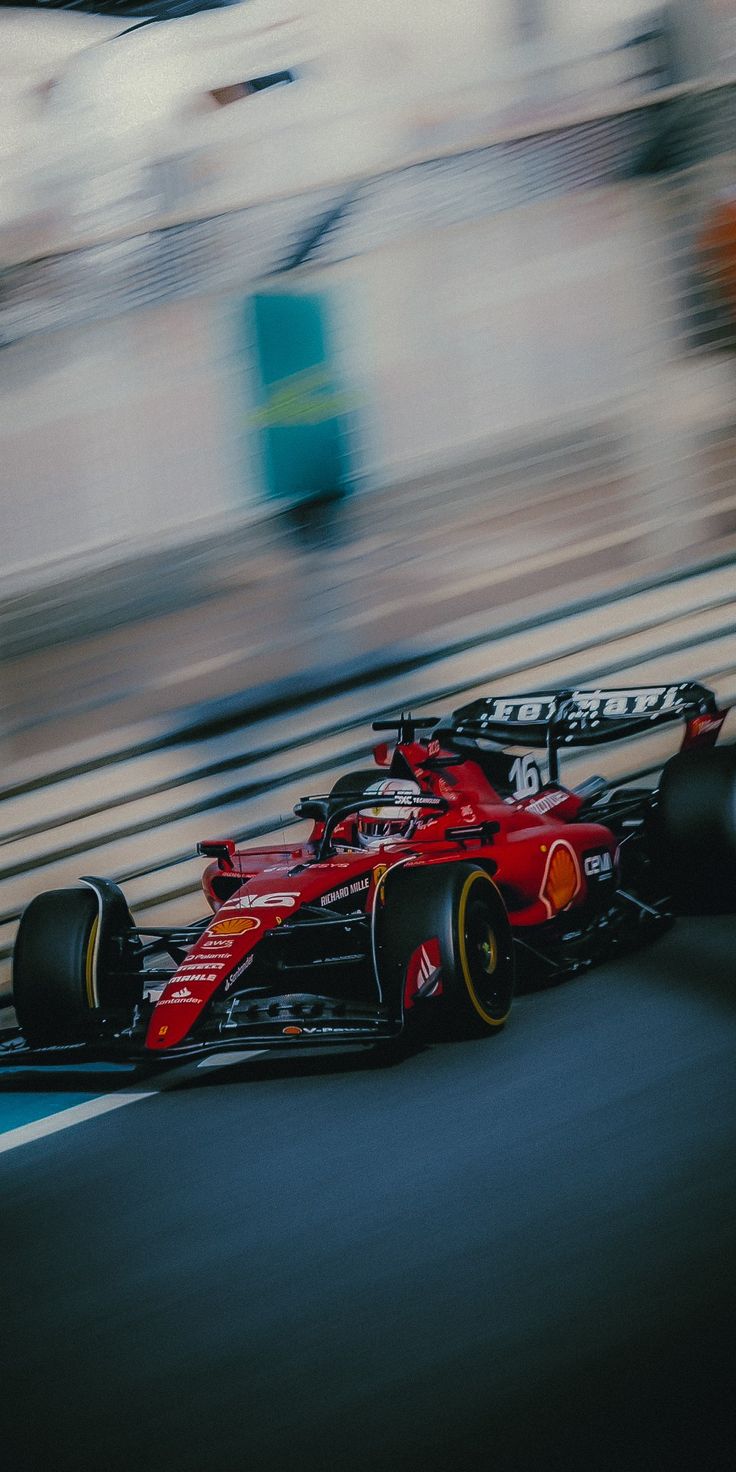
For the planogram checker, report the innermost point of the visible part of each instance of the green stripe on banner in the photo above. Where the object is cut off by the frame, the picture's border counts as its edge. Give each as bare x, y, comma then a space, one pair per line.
302, 408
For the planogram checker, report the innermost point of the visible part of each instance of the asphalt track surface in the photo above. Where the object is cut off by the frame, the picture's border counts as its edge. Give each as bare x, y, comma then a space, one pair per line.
509, 1254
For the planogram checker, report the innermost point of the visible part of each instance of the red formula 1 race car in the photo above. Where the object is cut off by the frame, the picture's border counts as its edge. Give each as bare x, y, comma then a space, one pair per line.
422, 892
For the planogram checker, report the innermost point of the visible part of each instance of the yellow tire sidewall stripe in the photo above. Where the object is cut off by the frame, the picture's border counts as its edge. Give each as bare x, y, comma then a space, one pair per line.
462, 908
89, 965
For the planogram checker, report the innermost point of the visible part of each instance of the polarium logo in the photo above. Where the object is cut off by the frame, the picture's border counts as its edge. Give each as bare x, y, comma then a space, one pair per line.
308, 397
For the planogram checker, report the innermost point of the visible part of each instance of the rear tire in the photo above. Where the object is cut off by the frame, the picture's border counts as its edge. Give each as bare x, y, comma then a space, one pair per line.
695, 830
460, 907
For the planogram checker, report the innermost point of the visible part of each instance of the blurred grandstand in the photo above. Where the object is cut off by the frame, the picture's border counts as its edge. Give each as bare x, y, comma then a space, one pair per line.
112, 120
156, 189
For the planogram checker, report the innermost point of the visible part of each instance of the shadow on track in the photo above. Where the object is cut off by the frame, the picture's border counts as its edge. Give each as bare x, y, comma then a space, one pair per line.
697, 956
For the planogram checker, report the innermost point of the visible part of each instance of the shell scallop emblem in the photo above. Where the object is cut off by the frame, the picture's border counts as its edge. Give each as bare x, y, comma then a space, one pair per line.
562, 879
234, 925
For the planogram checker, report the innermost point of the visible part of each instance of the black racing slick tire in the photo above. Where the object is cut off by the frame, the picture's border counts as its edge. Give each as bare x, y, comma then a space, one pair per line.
695, 830
63, 973
460, 907
52, 966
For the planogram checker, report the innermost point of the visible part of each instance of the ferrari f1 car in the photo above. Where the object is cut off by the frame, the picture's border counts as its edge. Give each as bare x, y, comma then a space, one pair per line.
424, 889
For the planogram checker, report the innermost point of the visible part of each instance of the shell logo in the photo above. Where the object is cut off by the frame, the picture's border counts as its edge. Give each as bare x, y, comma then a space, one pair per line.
236, 925
562, 878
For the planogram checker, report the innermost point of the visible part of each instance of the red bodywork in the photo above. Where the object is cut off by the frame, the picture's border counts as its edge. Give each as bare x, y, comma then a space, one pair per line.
542, 859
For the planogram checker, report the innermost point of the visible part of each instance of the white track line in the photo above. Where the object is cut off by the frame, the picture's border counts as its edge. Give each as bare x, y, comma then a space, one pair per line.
37, 1129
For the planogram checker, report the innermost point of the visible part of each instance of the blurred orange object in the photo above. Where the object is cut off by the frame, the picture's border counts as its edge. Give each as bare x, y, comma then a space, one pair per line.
717, 246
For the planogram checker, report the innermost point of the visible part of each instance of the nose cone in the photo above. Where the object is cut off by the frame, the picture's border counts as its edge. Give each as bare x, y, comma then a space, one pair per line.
176, 1011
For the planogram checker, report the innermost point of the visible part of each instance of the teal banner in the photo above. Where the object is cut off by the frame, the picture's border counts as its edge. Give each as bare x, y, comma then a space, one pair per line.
302, 412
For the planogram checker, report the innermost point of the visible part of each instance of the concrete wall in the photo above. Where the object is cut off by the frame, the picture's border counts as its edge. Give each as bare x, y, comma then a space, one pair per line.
96, 136
492, 332
121, 434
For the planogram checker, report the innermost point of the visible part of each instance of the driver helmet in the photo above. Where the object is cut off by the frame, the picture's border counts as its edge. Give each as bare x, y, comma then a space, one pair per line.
381, 824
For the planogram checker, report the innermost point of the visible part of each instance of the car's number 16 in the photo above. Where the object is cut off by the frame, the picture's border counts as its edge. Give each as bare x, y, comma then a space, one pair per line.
524, 774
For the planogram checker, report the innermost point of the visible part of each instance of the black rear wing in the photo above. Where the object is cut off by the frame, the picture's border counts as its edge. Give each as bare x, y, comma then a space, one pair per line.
554, 718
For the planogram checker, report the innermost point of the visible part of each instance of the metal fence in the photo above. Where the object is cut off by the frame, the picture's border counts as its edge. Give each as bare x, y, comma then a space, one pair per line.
126, 267
544, 280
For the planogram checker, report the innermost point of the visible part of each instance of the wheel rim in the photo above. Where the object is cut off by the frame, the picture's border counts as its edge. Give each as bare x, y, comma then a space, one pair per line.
487, 979
487, 949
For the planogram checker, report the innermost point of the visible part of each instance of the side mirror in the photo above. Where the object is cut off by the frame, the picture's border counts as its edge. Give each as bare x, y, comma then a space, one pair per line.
222, 849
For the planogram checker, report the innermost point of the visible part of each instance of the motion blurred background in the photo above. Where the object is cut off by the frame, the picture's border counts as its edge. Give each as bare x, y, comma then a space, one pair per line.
350, 355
